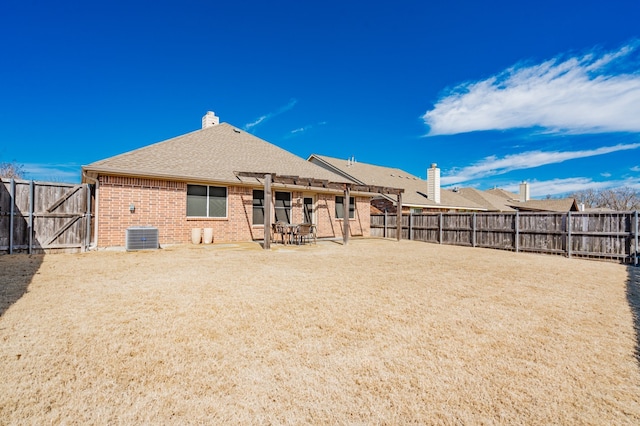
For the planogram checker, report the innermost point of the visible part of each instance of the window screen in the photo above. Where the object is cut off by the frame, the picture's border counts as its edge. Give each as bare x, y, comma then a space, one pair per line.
340, 208
206, 201
258, 207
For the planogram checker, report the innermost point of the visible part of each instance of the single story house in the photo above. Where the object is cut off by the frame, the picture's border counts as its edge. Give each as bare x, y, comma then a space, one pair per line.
426, 196
505, 201
214, 178
489, 199
419, 196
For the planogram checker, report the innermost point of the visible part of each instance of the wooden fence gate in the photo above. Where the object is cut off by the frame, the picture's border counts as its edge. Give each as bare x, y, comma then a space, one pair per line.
37, 217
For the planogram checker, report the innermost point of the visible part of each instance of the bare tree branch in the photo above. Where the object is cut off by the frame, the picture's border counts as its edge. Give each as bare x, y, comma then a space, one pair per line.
11, 170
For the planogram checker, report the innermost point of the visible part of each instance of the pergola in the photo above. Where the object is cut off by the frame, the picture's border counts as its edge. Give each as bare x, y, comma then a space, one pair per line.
347, 188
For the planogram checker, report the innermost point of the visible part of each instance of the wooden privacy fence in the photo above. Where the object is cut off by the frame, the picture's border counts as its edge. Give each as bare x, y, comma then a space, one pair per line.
610, 236
44, 216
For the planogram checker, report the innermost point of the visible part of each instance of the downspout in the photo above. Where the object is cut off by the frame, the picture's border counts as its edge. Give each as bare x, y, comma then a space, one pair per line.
94, 244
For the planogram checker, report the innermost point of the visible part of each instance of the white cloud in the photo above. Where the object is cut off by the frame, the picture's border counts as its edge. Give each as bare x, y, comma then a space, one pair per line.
605, 174
270, 115
491, 166
303, 129
588, 94
555, 187
53, 172
635, 169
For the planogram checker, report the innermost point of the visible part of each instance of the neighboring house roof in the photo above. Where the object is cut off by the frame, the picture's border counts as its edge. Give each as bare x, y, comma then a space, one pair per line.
508, 201
212, 154
550, 205
503, 194
415, 188
489, 200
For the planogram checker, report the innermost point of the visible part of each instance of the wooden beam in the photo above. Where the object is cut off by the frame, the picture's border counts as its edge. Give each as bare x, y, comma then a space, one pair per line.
63, 198
87, 236
31, 209
267, 211
636, 256
254, 174
320, 183
61, 231
399, 217
568, 225
346, 208
516, 225
12, 211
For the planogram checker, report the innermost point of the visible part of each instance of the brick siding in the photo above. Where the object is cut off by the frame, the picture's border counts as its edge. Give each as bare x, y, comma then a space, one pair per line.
162, 204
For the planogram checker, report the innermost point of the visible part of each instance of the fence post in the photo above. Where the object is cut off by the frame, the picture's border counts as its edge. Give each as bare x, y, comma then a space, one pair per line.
12, 210
31, 209
87, 239
635, 262
384, 232
568, 225
473, 236
410, 220
440, 229
517, 230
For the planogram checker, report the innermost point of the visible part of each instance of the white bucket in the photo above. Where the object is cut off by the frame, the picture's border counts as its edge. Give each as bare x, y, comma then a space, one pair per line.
207, 236
196, 235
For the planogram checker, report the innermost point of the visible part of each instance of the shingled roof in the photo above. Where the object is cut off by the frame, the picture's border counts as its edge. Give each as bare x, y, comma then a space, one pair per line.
550, 205
212, 154
503, 194
415, 188
489, 200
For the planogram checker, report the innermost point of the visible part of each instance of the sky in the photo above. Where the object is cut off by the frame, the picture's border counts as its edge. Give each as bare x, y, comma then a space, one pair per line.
494, 92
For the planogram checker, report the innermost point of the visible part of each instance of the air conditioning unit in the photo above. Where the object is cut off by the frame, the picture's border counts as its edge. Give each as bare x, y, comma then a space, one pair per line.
142, 238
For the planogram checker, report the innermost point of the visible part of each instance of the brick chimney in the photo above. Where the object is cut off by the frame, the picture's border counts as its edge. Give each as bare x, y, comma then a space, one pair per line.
524, 192
210, 119
433, 183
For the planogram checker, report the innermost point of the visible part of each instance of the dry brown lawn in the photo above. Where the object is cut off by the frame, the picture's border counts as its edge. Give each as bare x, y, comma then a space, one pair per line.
376, 332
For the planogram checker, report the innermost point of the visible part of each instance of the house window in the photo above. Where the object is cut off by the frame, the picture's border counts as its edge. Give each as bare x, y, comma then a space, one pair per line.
307, 209
283, 207
416, 210
340, 208
206, 201
258, 207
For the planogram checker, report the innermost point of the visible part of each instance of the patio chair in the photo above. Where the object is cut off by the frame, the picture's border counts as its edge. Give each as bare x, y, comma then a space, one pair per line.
306, 231
279, 227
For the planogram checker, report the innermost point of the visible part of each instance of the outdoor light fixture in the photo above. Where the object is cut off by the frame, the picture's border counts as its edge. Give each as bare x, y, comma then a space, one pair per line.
132, 208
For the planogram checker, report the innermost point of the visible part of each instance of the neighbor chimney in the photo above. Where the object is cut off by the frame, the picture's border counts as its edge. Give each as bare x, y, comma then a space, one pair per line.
524, 192
210, 119
433, 183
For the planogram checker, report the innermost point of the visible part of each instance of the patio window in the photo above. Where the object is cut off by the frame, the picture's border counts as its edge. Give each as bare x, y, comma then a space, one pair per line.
283, 207
340, 208
258, 207
206, 201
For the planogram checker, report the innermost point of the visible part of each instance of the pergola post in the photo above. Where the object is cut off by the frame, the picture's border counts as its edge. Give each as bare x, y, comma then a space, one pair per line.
399, 217
308, 182
267, 211
346, 208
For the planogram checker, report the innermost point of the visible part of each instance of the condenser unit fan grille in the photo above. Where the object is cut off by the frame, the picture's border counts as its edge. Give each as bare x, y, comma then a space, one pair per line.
142, 238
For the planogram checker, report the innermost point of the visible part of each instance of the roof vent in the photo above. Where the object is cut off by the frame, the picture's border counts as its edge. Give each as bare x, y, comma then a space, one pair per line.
210, 119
